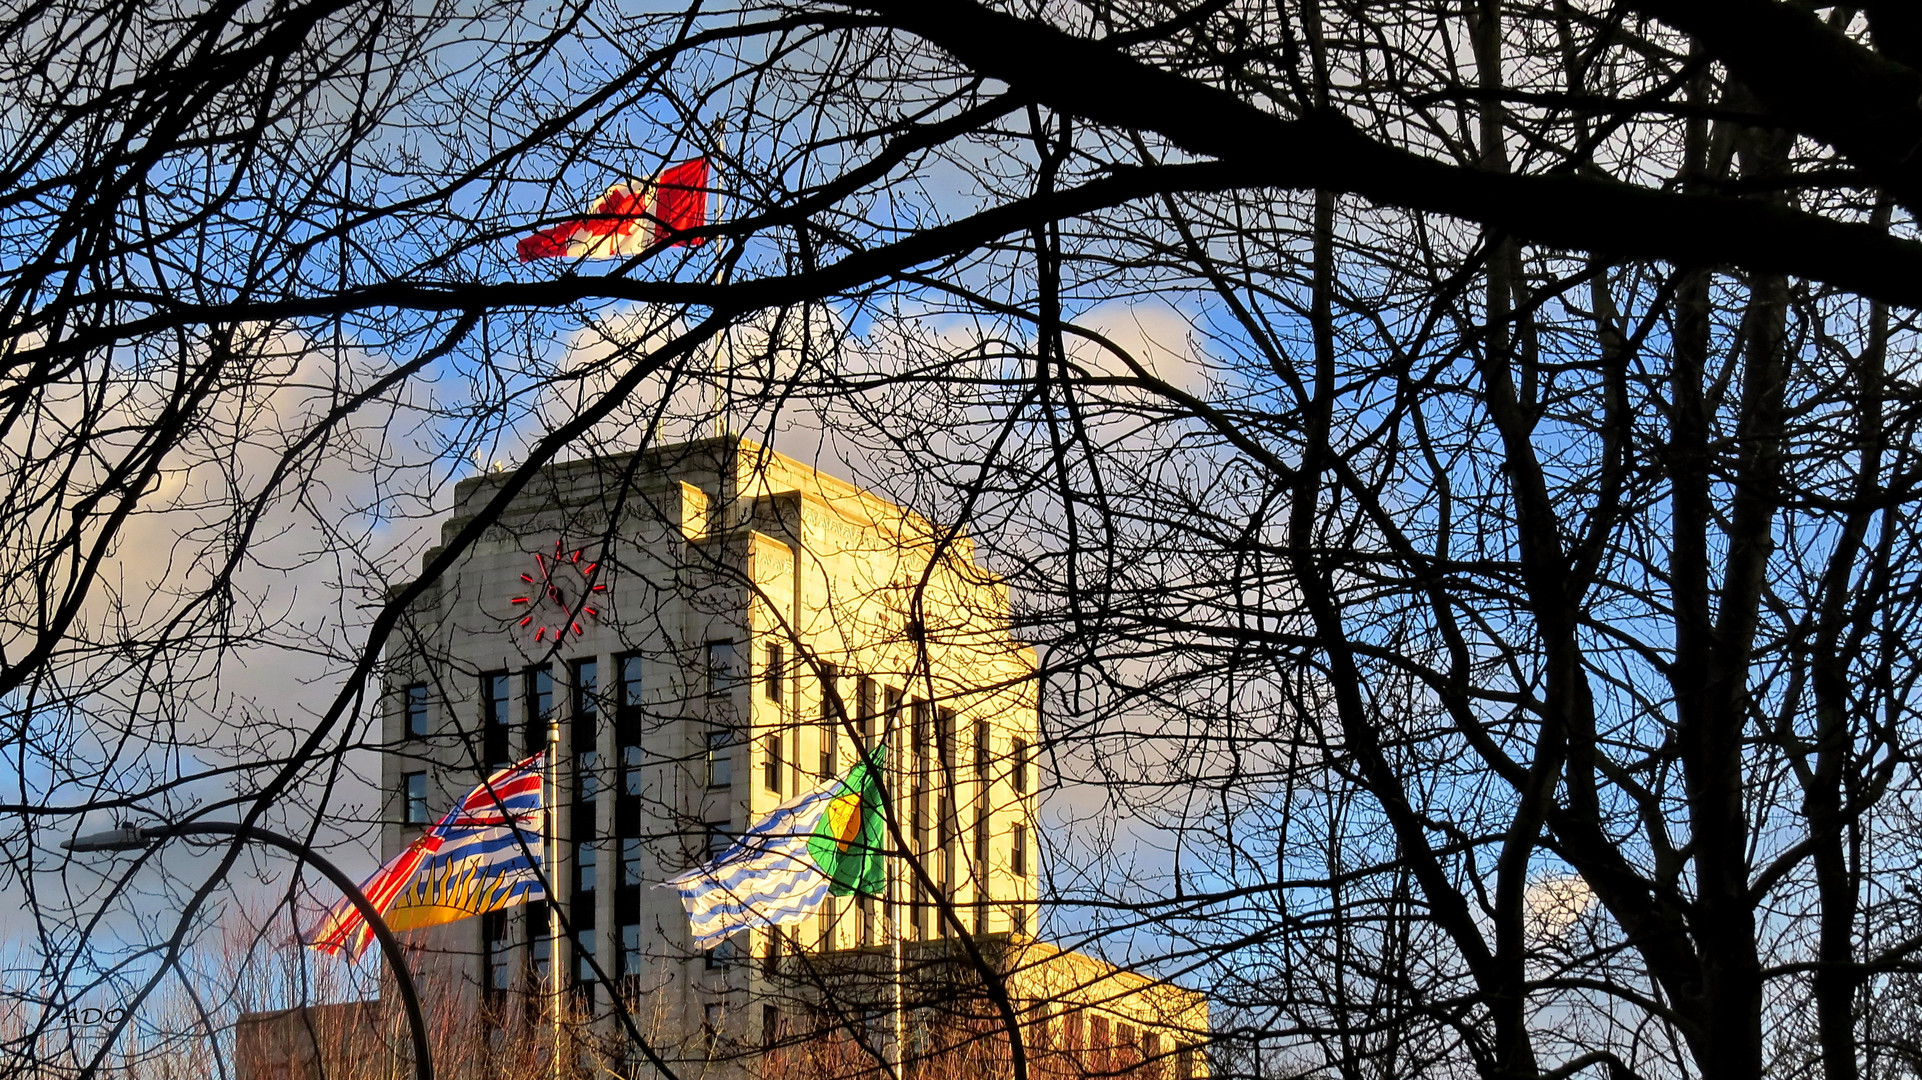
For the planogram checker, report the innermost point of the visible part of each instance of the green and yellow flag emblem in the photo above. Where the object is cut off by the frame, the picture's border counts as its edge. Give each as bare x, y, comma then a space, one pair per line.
849, 838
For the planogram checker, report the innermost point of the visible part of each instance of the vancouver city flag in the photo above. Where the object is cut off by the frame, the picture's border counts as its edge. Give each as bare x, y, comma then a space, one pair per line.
825, 842
484, 855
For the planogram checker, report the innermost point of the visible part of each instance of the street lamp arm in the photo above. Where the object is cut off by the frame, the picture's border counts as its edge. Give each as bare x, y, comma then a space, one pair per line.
129, 837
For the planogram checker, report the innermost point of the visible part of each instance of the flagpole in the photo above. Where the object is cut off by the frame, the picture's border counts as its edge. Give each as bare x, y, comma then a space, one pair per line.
894, 897
719, 132
551, 846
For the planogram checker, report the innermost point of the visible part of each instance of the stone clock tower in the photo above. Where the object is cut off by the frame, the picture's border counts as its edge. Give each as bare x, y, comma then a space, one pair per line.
710, 628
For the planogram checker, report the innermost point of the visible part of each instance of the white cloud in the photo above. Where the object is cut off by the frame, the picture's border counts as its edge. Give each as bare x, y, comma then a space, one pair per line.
178, 672
1153, 334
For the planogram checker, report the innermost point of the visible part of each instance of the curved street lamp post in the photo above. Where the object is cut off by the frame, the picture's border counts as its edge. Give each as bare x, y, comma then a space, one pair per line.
135, 838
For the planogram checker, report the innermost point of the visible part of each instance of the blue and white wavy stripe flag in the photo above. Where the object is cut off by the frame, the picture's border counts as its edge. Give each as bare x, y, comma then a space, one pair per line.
766, 878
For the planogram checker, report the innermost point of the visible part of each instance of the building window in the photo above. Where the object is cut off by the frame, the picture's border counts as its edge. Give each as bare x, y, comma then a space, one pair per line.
771, 766
1184, 1062
864, 711
631, 860
500, 972
543, 946
981, 751
585, 870
584, 964
627, 701
719, 956
1098, 1046
1018, 854
631, 949
773, 680
944, 736
538, 688
417, 711
1018, 919
945, 825
896, 700
712, 1016
723, 670
770, 1026
540, 693
1019, 774
870, 919
631, 771
630, 668
720, 758
830, 722
584, 952
824, 922
918, 819
495, 722
720, 837
982, 818
923, 720
587, 775
771, 960
414, 785
587, 704
1043, 1027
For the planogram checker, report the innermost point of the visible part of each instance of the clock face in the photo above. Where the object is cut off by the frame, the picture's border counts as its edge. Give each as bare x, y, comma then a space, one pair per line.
559, 595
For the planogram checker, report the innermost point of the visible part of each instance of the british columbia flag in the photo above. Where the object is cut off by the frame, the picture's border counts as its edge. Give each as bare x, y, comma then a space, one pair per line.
484, 855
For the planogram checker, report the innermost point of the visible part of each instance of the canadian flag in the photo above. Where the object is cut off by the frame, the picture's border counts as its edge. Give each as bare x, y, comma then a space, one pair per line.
629, 219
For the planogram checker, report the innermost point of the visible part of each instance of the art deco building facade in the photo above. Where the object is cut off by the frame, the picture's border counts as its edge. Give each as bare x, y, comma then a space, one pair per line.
708, 629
